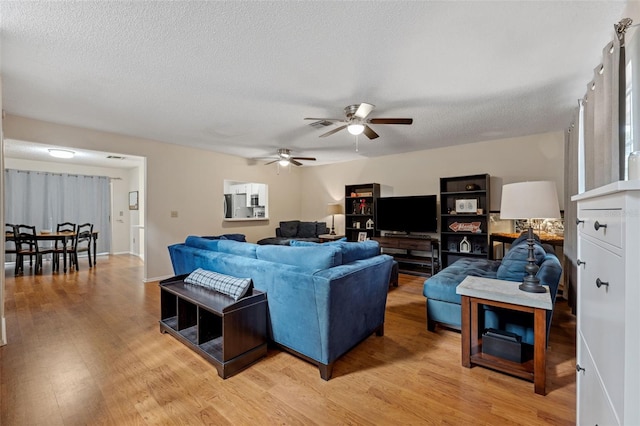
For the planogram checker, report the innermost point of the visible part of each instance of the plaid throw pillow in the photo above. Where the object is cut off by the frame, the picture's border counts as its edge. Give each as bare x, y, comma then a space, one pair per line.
226, 284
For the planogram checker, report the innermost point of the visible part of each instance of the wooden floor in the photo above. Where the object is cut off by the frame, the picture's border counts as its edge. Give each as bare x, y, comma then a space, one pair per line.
85, 348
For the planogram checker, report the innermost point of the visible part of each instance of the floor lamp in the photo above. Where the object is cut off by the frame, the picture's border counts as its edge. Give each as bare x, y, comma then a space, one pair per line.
530, 200
333, 209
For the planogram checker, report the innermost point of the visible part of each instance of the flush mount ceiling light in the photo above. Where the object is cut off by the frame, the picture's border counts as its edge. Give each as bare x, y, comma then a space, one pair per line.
61, 153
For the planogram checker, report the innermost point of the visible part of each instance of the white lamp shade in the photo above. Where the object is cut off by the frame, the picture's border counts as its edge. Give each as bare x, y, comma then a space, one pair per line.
529, 200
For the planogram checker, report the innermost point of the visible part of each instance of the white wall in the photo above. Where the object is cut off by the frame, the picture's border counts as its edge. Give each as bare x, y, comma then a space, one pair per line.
535, 157
120, 185
187, 180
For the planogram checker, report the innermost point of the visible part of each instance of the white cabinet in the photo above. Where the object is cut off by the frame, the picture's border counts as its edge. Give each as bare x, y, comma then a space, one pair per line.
608, 305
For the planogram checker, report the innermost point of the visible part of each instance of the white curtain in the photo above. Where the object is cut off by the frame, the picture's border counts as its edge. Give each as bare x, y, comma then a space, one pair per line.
46, 199
603, 118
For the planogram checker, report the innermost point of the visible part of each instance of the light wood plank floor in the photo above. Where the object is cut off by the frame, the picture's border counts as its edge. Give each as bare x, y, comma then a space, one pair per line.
85, 348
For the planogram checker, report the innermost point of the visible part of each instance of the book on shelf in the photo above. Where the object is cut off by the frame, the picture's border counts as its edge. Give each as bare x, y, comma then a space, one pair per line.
364, 194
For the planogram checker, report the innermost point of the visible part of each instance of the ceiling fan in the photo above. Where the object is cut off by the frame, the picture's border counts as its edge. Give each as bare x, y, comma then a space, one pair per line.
356, 121
285, 158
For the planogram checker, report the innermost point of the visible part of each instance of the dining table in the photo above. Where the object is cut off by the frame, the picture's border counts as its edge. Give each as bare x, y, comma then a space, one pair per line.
63, 237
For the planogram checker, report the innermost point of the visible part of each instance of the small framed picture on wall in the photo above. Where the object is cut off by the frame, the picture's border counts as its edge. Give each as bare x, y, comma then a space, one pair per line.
133, 200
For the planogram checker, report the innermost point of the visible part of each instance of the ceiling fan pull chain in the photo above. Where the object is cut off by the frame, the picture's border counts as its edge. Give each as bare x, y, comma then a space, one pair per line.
356, 143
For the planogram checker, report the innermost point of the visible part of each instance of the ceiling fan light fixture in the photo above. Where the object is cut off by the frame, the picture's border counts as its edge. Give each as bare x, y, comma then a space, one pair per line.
355, 129
284, 162
61, 153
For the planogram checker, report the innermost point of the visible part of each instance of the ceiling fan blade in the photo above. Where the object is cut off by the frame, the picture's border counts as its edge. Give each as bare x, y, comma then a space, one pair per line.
368, 131
304, 158
324, 119
391, 121
271, 162
297, 163
329, 133
363, 110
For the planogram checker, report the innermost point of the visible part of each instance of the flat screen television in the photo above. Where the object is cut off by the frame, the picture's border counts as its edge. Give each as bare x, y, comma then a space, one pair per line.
417, 213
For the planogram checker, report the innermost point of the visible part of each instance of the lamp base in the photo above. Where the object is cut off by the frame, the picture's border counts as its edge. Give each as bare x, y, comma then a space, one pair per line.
531, 283
332, 232
532, 288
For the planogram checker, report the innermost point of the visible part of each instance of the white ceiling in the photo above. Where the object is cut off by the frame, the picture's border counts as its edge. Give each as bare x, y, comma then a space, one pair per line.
239, 77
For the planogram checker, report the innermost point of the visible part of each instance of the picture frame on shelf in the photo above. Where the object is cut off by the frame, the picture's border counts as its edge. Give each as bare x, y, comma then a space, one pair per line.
356, 225
362, 236
466, 205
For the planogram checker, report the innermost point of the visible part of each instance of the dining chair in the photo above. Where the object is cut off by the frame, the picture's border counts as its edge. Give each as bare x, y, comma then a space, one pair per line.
10, 239
82, 243
59, 247
27, 245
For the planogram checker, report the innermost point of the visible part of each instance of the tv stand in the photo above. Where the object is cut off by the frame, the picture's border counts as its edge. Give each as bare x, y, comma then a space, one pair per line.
404, 250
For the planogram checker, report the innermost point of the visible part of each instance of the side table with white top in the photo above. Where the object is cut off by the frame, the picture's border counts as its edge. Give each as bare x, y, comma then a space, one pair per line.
504, 294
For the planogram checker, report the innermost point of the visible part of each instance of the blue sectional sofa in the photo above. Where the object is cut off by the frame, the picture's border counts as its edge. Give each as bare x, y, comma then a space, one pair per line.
443, 304
323, 299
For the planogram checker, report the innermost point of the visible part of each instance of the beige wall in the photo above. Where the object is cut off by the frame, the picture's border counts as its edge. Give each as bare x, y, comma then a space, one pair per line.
190, 181
186, 180
536, 157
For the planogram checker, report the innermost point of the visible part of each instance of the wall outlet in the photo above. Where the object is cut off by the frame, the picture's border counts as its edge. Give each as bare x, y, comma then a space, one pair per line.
121, 213
174, 213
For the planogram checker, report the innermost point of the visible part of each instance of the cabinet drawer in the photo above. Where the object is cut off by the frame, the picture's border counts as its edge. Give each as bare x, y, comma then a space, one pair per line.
607, 213
592, 402
601, 313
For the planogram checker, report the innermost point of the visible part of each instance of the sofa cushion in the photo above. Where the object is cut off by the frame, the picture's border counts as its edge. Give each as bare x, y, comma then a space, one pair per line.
289, 229
514, 261
321, 228
235, 237
442, 286
358, 251
202, 243
351, 251
237, 248
307, 258
225, 284
306, 230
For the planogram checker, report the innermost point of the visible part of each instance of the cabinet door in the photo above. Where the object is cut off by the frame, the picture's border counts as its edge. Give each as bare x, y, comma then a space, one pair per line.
601, 315
592, 403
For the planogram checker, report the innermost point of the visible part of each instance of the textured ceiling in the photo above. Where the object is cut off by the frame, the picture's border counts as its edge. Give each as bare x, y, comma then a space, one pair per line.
239, 77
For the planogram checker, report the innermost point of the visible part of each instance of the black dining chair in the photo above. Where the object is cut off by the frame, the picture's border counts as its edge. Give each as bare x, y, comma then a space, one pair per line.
10, 239
82, 243
27, 245
59, 247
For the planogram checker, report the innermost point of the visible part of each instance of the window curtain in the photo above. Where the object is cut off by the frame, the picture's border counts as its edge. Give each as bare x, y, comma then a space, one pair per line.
603, 116
572, 141
46, 199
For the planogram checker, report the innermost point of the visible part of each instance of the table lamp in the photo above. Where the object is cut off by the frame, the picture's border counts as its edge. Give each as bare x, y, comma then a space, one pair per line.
333, 209
530, 200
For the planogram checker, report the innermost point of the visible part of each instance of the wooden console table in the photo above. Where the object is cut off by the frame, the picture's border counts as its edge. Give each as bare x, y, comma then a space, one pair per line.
402, 248
504, 294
